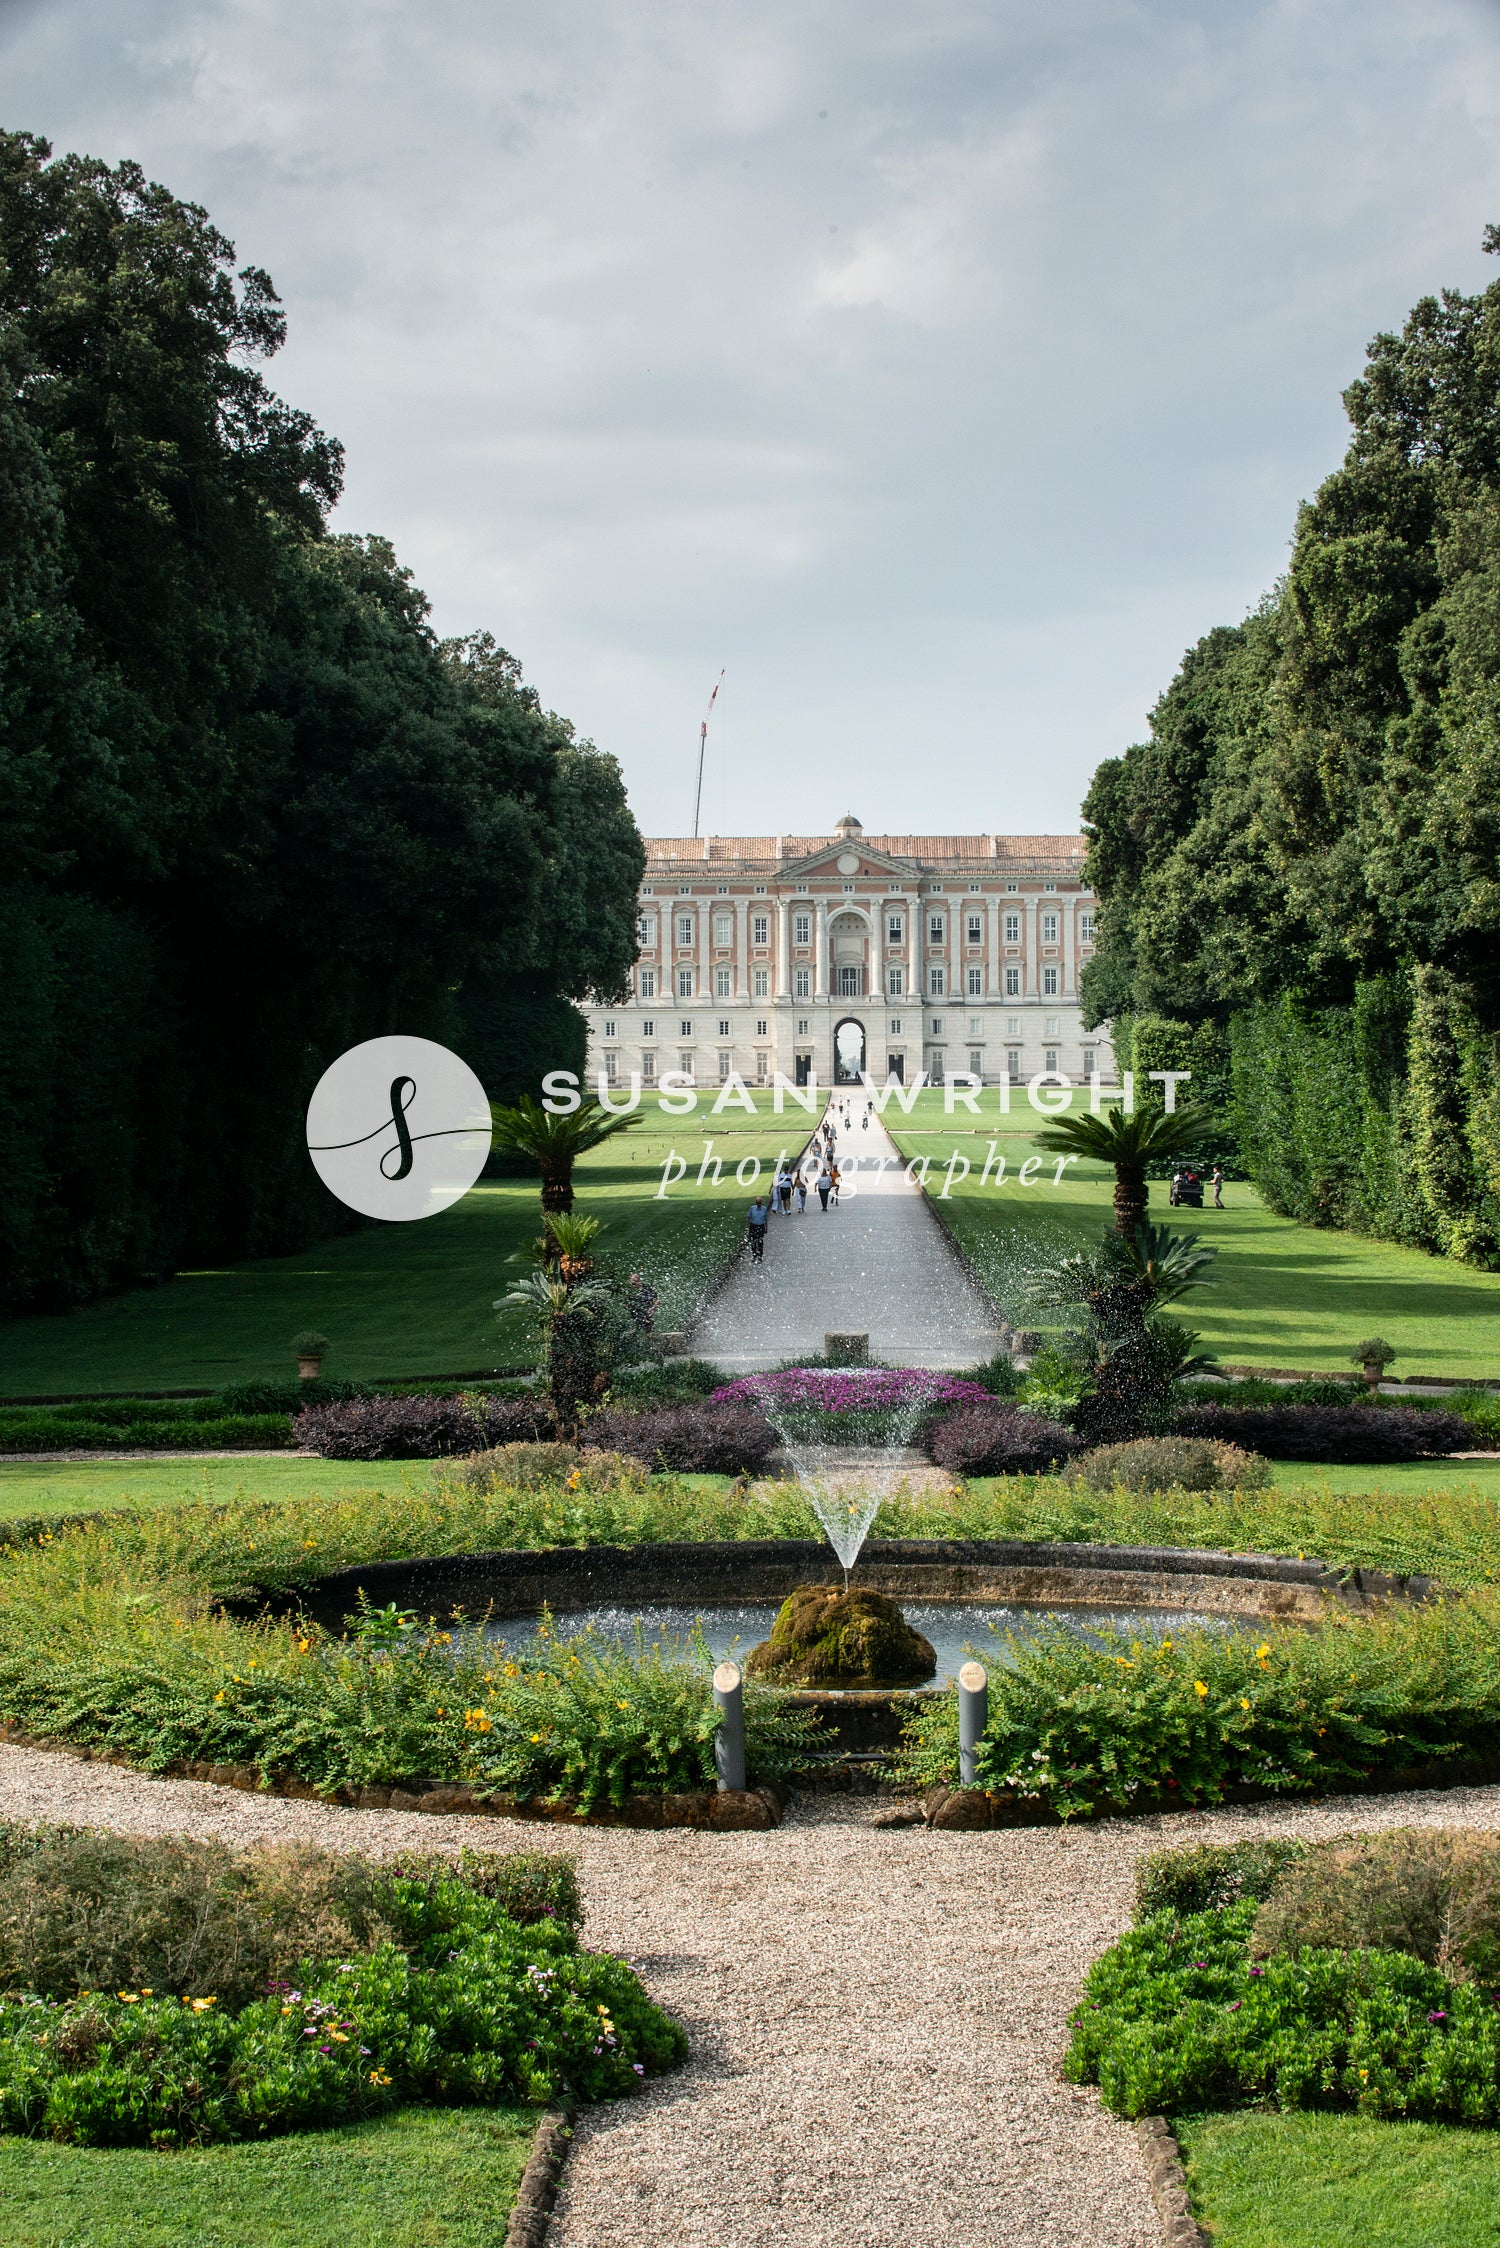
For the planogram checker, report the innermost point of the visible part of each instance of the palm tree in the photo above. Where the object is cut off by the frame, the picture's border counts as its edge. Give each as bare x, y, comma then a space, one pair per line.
554, 1143
1128, 1144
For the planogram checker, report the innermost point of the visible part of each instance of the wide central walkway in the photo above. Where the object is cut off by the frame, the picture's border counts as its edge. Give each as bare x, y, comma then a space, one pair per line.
876, 1263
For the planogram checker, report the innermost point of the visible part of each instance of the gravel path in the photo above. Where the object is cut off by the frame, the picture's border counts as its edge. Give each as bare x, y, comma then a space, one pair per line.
876, 2015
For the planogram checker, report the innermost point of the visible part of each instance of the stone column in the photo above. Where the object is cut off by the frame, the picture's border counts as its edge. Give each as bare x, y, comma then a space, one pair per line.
705, 949
995, 906
1031, 932
742, 948
914, 955
820, 951
783, 950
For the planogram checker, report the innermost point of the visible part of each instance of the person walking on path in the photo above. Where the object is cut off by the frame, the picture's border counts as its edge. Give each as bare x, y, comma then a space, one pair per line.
1218, 1186
834, 1177
755, 1230
825, 1185
786, 1194
801, 1196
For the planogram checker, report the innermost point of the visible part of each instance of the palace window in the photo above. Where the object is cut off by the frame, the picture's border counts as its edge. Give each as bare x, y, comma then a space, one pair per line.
648, 1030
721, 983
895, 928
609, 1026
723, 928
976, 1026
611, 1069
1013, 1063
850, 980
935, 925
895, 982
1085, 928
762, 1063
761, 1028
976, 929
976, 1065
1049, 928
1049, 1061
1051, 1026
976, 982
894, 1026
1012, 983
760, 928
648, 983
645, 929
1049, 983
760, 983
935, 981
684, 928
648, 1069
801, 983
723, 1027
684, 1030
1012, 1026
803, 1027
685, 1066
937, 1028
802, 928
1012, 928
726, 1063
684, 983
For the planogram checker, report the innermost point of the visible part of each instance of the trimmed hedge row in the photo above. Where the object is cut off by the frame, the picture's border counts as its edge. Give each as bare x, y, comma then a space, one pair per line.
1352, 1434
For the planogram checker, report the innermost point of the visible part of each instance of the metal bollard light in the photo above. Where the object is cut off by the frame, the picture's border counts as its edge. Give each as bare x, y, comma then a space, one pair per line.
973, 1712
729, 1740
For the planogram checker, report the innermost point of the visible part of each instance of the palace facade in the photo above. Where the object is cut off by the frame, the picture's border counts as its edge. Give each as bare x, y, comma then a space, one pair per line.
825, 956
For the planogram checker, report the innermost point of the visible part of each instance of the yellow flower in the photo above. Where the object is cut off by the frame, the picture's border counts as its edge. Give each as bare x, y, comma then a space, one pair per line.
338, 2037
442, 1713
622, 1705
378, 2076
1243, 1703
303, 1645
128, 1996
148, 1994
1364, 2076
219, 1697
1263, 1653
536, 1736
200, 2005
1200, 1689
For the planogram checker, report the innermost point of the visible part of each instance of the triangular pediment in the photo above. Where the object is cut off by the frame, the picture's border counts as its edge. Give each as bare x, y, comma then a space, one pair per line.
823, 864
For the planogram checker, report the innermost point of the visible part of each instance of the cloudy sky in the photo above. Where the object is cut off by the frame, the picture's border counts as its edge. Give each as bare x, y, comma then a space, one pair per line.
939, 371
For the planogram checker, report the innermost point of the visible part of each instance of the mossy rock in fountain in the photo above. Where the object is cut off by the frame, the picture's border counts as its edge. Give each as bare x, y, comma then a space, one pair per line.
824, 1636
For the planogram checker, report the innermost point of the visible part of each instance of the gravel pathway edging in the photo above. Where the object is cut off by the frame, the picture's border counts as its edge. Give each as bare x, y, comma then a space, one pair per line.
1168, 2182
876, 2015
531, 2217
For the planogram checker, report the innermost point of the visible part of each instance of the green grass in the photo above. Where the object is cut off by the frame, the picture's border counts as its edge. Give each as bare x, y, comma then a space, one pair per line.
421, 2178
1341, 2181
406, 1299
1284, 1294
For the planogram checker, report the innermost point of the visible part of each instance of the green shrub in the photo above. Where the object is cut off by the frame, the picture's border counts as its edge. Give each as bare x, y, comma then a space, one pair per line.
1171, 1463
465, 2005
535, 1467
86, 1910
1211, 1875
1190, 1718
1177, 2016
677, 1381
151, 1427
1430, 1891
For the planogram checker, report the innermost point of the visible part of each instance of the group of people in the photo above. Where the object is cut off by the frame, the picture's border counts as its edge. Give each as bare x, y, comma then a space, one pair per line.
1187, 1188
818, 1168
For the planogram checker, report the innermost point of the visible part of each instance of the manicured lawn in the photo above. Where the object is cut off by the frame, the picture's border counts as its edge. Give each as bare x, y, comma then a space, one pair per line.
1285, 1294
84, 1486
421, 2178
1341, 2181
407, 1299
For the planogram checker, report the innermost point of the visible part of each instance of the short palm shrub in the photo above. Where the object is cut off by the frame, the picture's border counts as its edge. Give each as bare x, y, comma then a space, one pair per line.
454, 2001
1351, 1434
1357, 1972
994, 1439
705, 1439
1171, 1463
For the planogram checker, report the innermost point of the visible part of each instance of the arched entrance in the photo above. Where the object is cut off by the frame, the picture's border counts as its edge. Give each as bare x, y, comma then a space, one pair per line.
848, 1051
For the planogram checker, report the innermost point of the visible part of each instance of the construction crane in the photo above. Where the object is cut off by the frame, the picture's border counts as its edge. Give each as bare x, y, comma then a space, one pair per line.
703, 749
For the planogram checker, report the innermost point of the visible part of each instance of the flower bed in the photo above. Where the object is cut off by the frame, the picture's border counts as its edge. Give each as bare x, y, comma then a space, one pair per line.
1074, 1729
851, 1405
450, 1998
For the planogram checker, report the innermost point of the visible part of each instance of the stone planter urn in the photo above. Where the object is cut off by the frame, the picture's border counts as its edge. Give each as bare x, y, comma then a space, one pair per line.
311, 1349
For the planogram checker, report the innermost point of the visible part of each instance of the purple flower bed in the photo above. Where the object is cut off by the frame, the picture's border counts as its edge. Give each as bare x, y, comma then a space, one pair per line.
851, 1389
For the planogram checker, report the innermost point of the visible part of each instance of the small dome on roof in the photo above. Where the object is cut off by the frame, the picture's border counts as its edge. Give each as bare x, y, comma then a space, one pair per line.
848, 825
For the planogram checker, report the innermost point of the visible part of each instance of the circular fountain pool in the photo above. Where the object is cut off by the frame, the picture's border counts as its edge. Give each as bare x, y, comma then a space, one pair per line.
957, 1629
